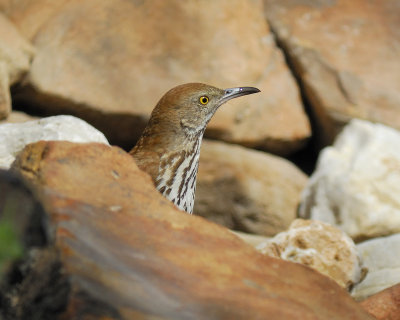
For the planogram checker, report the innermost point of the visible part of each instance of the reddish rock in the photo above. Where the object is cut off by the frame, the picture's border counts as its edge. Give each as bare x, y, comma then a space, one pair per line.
346, 55
128, 253
247, 190
384, 305
111, 61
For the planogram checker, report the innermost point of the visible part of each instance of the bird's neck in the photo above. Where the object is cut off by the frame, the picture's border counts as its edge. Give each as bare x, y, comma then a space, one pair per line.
177, 173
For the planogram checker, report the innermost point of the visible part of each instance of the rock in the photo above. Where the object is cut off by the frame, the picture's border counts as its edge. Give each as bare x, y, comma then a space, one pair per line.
124, 246
15, 56
117, 74
381, 257
17, 117
384, 305
247, 190
14, 136
15, 51
356, 184
5, 99
319, 246
251, 239
346, 56
30, 15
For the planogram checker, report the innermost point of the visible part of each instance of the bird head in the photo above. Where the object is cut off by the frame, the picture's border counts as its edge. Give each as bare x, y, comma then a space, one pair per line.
189, 107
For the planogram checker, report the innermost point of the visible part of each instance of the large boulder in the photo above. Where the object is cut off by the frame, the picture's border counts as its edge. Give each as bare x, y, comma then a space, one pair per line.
109, 62
247, 190
356, 184
346, 56
127, 253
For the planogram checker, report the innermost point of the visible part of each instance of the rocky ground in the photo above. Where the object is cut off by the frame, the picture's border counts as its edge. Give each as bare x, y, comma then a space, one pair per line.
297, 213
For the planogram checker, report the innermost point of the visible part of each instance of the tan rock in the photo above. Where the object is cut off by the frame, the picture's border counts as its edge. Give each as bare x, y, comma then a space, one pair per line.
319, 246
30, 15
5, 98
15, 57
17, 117
128, 253
384, 305
247, 190
251, 239
84, 65
346, 54
15, 51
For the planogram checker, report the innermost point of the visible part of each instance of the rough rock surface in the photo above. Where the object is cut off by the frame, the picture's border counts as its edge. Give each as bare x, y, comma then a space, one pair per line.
111, 61
15, 136
247, 190
128, 253
15, 57
319, 246
346, 55
381, 257
356, 184
384, 305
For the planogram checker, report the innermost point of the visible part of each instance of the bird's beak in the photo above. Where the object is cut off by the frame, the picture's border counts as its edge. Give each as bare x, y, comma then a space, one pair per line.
237, 92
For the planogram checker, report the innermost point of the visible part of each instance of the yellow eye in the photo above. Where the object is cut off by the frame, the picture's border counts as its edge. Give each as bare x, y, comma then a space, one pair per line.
204, 100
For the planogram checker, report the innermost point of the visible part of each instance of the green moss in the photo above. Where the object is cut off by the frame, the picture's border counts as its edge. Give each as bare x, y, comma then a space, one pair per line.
10, 244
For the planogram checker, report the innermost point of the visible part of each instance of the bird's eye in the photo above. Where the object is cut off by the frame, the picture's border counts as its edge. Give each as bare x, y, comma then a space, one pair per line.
204, 100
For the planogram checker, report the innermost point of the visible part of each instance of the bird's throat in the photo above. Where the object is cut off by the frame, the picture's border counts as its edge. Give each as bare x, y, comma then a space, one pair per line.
177, 174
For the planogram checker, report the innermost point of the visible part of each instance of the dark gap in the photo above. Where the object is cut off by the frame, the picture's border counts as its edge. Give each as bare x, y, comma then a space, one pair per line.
305, 158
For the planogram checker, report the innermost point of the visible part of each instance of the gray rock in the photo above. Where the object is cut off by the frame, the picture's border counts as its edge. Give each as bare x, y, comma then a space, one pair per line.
15, 136
381, 257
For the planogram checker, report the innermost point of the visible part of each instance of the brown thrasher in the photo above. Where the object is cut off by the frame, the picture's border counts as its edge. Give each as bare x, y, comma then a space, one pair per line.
169, 147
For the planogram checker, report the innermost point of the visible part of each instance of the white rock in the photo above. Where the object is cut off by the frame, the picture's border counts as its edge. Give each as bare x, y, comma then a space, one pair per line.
382, 258
15, 136
356, 184
319, 246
